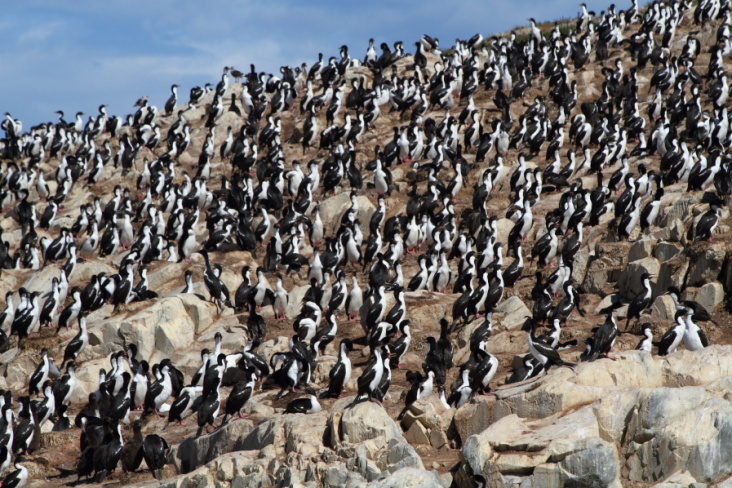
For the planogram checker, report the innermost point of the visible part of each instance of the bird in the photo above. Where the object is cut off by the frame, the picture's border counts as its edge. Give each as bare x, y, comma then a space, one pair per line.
673, 336
154, 451
641, 301
546, 355
603, 340
371, 376
239, 396
306, 404
340, 373
646, 344
132, 450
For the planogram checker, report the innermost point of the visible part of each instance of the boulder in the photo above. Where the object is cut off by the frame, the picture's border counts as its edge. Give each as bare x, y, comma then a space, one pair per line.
164, 326
705, 263
615, 253
682, 479
196, 451
557, 451
409, 478
663, 308
514, 313
630, 284
672, 273
599, 273
642, 248
332, 209
709, 295
427, 422
579, 269
678, 206
661, 442
363, 421
666, 250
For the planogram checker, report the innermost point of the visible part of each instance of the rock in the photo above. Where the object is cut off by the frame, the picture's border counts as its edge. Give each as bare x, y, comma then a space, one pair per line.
663, 308
592, 462
581, 260
599, 273
196, 451
557, 451
666, 250
615, 253
642, 248
705, 263
427, 422
304, 434
630, 284
682, 479
41, 279
504, 228
709, 295
200, 312
515, 312
662, 443
364, 421
609, 300
332, 209
417, 434
409, 478
678, 206
165, 326
672, 273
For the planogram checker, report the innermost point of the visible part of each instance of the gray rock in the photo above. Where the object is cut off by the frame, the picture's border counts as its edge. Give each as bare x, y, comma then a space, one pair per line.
709, 295
593, 463
581, 260
663, 308
672, 273
367, 420
678, 206
409, 478
705, 263
196, 451
630, 284
666, 250
515, 312
599, 273
642, 248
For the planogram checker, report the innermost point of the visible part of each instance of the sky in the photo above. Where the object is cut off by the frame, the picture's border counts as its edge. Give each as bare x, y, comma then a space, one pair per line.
74, 56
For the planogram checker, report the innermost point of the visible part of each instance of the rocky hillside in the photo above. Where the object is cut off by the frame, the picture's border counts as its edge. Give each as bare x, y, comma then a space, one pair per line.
580, 131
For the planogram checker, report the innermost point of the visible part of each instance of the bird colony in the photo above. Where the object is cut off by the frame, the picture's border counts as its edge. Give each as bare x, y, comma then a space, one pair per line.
501, 263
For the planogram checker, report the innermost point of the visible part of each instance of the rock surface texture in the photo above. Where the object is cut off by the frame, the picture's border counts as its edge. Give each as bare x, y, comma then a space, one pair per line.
400, 220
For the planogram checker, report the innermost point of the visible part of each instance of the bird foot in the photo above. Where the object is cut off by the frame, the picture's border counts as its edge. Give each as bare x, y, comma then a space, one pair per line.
243, 415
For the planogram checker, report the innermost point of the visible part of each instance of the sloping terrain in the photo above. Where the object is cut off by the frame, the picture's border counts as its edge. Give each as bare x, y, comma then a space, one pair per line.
639, 420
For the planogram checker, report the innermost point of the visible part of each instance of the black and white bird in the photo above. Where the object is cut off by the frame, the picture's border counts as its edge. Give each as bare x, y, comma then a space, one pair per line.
340, 373
707, 224
674, 336
646, 344
603, 340
370, 379
641, 301
306, 404
546, 355
694, 337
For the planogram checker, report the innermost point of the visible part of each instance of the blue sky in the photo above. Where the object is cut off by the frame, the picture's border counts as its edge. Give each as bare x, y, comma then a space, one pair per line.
74, 56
